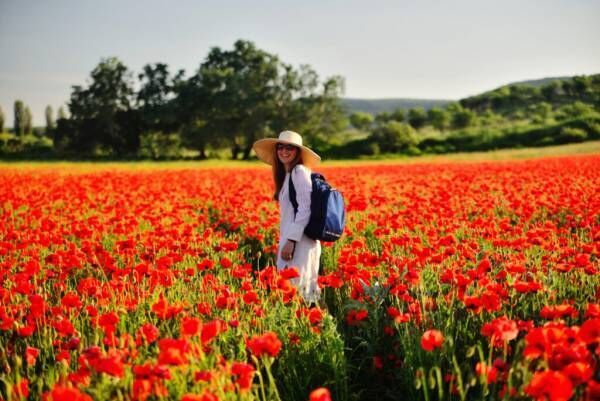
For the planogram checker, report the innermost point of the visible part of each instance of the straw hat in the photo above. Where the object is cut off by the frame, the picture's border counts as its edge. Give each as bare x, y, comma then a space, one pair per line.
265, 148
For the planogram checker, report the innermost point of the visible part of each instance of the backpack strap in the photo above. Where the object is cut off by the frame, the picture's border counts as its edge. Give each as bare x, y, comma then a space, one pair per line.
292, 193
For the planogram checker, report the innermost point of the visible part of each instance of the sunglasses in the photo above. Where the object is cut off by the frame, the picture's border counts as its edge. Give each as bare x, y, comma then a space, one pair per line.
289, 148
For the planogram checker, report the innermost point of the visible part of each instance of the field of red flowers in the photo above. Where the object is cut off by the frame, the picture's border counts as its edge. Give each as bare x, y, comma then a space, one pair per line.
454, 281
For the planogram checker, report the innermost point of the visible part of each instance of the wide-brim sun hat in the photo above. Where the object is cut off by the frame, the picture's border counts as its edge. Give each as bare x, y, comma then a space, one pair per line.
265, 148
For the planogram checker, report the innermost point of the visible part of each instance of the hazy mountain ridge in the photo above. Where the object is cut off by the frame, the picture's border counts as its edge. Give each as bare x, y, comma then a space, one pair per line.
375, 106
538, 82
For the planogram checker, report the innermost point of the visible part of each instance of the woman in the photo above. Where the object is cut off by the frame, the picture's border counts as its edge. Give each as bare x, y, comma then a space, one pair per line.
291, 160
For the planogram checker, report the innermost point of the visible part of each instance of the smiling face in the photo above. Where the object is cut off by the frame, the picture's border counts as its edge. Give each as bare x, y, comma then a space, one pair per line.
287, 154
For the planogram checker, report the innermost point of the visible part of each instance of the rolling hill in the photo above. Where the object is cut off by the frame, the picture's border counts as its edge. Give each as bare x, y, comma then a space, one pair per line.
375, 106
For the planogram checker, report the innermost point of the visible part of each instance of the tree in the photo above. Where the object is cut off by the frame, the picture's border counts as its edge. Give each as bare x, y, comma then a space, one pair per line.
155, 98
61, 113
246, 94
319, 113
20, 118
574, 110
49, 119
397, 115
438, 118
102, 112
383, 117
361, 120
1, 121
552, 90
242, 84
541, 111
417, 117
191, 108
28, 124
582, 85
394, 137
461, 117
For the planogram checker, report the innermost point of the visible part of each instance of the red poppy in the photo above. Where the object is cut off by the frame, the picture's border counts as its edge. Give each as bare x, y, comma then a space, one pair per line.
190, 326
501, 329
212, 329
148, 333
111, 365
355, 317
64, 393
592, 392
21, 389
431, 340
320, 394
203, 375
289, 273
243, 374
205, 396
31, 354
590, 331
315, 316
490, 373
550, 385
266, 344
173, 351
578, 372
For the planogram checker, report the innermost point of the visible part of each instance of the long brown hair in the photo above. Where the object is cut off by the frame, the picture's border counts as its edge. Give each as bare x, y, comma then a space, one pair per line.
279, 170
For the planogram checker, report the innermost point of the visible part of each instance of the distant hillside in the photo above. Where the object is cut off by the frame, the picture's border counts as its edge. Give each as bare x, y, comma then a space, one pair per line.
515, 97
375, 106
538, 82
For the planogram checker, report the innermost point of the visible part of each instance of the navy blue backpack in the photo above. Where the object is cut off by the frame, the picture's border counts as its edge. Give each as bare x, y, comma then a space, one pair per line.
327, 214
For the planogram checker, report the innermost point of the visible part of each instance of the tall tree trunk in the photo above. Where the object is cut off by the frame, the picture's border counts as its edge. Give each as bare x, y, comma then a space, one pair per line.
247, 151
249, 142
235, 150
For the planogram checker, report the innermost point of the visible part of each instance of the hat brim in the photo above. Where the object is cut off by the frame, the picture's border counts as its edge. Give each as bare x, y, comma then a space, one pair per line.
265, 151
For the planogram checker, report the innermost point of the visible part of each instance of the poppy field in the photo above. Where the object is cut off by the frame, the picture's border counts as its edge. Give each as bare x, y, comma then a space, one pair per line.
452, 281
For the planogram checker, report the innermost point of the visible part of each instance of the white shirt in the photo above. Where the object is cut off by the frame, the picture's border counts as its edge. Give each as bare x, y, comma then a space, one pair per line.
307, 252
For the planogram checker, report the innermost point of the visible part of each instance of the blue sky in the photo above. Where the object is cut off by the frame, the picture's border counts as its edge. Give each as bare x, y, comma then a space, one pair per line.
419, 49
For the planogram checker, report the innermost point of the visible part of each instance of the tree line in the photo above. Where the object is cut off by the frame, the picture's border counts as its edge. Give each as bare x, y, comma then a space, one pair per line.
239, 95
235, 97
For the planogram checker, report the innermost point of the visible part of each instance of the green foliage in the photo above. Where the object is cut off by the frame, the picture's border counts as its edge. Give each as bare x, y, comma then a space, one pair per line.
394, 137
417, 117
438, 118
507, 99
246, 93
567, 131
102, 118
398, 115
574, 110
1, 121
570, 135
243, 94
31, 145
361, 120
155, 98
461, 117
20, 118
540, 112
50, 125
160, 146
61, 113
377, 106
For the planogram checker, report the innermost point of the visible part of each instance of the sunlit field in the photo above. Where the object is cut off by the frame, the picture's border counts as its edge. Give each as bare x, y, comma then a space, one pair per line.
454, 280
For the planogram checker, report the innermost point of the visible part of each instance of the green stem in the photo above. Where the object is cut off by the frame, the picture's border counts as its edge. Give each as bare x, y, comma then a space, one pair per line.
459, 381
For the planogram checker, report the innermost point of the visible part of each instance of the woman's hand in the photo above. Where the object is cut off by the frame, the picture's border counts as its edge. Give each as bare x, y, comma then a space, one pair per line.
287, 252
